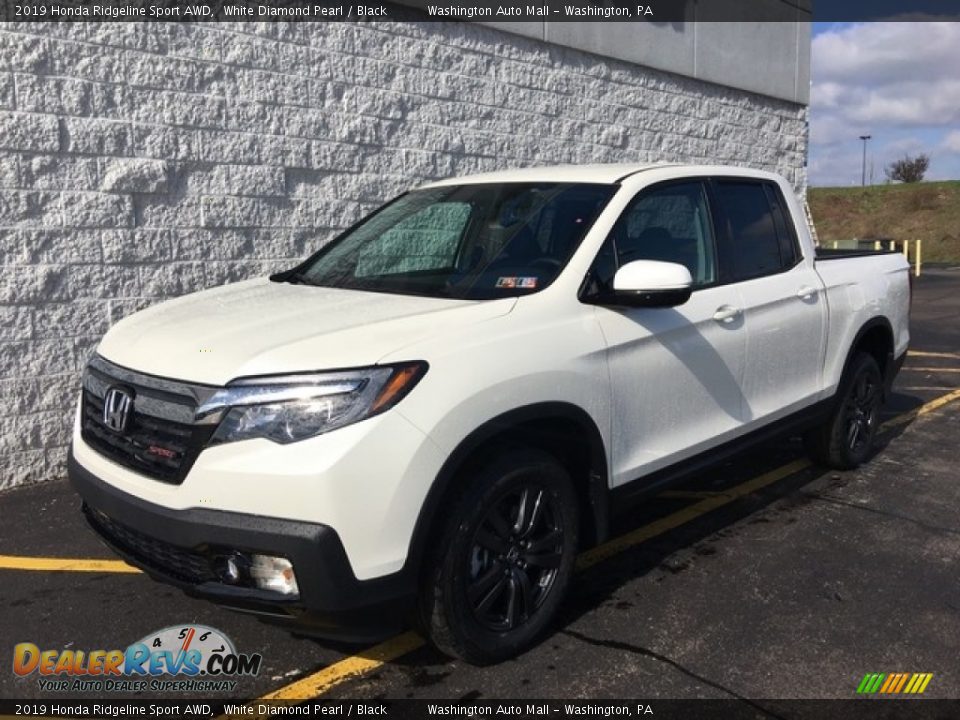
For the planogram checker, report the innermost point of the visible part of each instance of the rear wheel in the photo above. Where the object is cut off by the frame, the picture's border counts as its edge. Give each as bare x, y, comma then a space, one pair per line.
846, 439
504, 559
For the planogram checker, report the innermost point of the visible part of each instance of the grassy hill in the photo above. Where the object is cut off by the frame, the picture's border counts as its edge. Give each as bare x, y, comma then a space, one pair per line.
929, 211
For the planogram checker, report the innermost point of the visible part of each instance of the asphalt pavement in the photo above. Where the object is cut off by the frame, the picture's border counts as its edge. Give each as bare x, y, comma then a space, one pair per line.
791, 586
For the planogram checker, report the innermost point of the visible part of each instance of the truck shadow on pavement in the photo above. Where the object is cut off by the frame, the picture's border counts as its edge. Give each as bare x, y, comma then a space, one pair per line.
658, 559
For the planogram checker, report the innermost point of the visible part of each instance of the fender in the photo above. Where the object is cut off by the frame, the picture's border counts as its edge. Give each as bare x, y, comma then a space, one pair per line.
890, 365
597, 488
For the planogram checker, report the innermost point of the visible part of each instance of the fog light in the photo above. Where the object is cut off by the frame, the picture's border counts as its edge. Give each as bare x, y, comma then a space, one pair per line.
273, 573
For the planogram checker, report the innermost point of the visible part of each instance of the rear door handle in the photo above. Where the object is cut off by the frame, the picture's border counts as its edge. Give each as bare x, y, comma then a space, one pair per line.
726, 314
806, 292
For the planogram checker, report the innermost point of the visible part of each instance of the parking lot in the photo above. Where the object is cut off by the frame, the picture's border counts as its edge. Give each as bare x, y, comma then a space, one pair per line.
762, 578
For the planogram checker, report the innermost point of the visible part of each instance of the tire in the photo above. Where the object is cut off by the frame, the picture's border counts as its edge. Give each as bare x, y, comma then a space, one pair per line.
504, 559
845, 441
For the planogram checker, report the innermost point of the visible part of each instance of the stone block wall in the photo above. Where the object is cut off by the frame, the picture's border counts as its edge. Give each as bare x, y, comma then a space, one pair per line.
139, 162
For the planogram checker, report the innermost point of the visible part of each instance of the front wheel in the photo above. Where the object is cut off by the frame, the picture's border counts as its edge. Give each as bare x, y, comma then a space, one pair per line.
844, 442
504, 559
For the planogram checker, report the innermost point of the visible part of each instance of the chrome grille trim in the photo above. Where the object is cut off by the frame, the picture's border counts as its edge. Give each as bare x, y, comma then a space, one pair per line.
157, 397
162, 438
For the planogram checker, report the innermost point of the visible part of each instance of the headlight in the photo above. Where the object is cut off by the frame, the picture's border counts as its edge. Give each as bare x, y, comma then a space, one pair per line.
295, 407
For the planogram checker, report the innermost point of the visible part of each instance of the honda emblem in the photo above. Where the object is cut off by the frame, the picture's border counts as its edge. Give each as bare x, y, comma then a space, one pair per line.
117, 406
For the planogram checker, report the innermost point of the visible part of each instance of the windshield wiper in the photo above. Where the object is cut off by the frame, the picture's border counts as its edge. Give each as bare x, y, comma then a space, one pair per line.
293, 277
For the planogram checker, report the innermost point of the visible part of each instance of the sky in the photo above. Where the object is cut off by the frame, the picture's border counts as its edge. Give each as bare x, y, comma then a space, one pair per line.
899, 83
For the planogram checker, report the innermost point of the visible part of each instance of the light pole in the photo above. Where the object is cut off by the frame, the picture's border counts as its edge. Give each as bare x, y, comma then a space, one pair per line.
863, 167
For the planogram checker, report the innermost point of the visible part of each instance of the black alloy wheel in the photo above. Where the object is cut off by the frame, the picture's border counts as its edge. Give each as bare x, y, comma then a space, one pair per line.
515, 557
845, 440
503, 557
860, 412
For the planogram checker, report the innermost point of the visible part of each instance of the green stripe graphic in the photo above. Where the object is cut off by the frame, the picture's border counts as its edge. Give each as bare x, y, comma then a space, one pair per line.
863, 683
877, 683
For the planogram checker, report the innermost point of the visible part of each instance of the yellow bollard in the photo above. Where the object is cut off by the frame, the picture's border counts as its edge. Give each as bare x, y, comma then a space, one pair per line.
906, 249
836, 244
876, 245
893, 245
917, 259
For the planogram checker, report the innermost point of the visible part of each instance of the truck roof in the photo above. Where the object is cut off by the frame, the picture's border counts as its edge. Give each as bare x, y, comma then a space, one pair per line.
604, 174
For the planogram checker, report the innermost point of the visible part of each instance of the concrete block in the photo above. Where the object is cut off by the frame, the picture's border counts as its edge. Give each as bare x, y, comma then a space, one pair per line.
59, 172
9, 170
171, 279
58, 320
7, 92
94, 136
126, 246
29, 131
60, 246
24, 53
134, 175
16, 323
102, 210
26, 208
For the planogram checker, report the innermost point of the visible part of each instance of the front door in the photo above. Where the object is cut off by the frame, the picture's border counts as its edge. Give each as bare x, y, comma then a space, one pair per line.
676, 373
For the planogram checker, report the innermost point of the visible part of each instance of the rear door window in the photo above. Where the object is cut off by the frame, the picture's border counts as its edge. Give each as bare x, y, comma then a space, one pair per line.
750, 228
757, 234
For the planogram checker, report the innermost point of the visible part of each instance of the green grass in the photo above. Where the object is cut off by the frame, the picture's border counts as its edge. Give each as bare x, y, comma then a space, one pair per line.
928, 211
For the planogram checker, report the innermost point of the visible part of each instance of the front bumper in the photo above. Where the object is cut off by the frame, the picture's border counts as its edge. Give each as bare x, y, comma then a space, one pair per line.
181, 547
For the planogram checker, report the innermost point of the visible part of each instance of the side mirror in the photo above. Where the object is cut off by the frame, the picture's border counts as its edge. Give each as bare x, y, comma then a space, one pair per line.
651, 283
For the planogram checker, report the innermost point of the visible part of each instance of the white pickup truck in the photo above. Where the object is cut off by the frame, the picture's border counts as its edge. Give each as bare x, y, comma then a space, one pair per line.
427, 419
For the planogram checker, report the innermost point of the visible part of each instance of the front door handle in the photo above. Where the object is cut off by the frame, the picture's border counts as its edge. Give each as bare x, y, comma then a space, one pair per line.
726, 314
806, 292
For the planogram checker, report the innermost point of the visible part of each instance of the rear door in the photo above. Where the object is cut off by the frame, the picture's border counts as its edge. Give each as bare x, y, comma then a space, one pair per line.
783, 304
675, 372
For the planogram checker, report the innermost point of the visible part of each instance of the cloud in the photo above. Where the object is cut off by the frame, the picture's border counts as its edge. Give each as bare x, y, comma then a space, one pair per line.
835, 168
951, 143
904, 146
888, 73
899, 82
880, 53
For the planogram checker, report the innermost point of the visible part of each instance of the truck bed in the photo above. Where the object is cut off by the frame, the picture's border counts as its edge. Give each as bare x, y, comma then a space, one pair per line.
840, 253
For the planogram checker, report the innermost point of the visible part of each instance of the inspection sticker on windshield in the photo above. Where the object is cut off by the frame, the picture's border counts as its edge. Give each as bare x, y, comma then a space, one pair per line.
527, 283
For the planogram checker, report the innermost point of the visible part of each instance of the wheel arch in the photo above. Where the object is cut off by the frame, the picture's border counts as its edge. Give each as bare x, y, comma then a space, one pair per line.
875, 337
563, 429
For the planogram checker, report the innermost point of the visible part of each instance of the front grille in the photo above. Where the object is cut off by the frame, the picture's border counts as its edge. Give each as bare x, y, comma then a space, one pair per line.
158, 440
184, 565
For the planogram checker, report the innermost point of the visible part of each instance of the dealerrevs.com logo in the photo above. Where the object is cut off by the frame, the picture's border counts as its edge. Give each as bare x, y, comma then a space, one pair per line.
180, 658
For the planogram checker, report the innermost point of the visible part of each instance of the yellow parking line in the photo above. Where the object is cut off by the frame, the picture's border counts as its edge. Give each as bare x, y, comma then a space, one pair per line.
924, 409
920, 353
688, 494
682, 517
364, 662
930, 369
350, 667
354, 666
49, 564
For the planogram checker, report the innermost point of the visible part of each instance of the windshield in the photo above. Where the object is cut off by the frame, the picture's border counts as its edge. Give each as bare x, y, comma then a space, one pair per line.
464, 241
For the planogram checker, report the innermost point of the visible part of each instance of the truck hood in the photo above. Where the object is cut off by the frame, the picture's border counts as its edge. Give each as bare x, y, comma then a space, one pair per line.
259, 327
